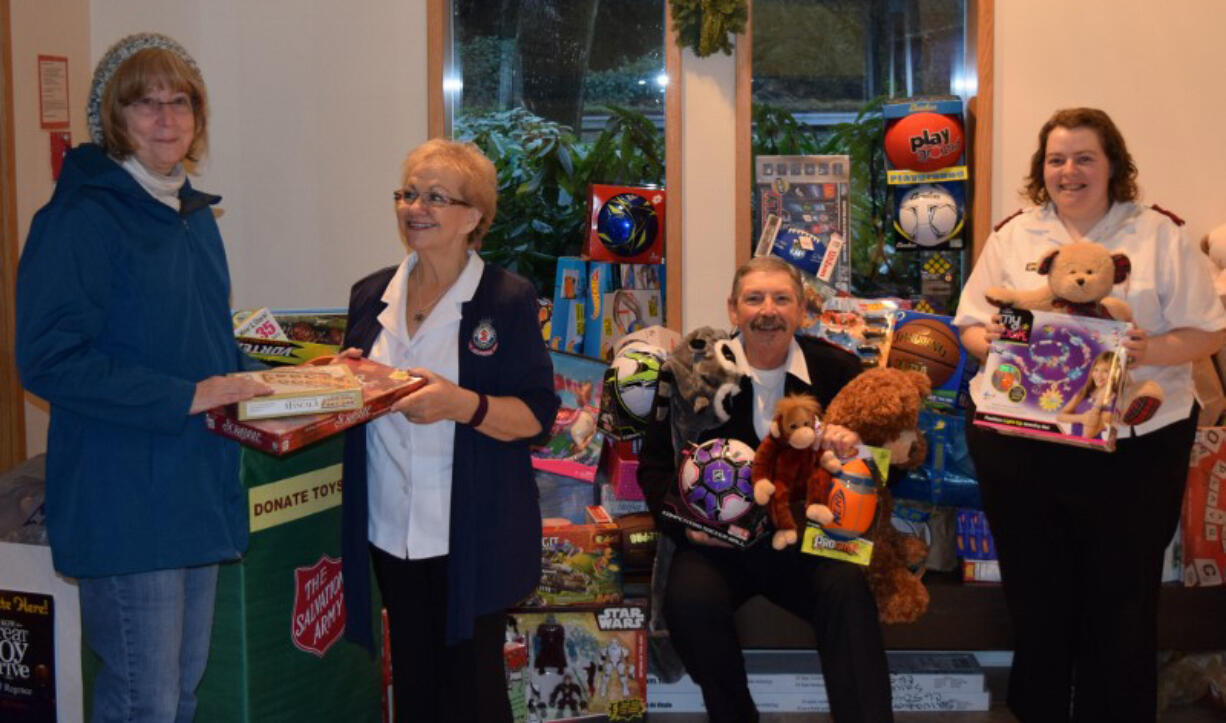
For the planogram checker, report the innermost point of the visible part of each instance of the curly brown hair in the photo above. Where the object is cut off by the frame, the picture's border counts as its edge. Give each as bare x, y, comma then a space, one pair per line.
1122, 186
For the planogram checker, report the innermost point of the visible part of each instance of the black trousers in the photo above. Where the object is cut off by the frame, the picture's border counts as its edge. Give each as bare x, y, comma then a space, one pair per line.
1080, 535
432, 681
705, 587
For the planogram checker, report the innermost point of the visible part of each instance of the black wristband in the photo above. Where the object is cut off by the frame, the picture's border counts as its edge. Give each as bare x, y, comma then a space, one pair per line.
483, 406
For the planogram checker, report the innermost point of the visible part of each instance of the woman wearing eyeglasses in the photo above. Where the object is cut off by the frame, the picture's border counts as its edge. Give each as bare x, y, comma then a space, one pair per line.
441, 496
123, 326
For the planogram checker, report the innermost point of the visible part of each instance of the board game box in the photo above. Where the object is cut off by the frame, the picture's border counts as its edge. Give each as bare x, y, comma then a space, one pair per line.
381, 387
299, 390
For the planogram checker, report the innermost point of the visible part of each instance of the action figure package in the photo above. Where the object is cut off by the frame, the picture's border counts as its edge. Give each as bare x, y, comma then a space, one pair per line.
1204, 511
382, 386
864, 327
804, 203
713, 493
580, 564
1056, 377
584, 665
852, 500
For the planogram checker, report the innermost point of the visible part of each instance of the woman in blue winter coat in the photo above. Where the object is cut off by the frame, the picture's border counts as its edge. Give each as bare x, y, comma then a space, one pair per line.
124, 328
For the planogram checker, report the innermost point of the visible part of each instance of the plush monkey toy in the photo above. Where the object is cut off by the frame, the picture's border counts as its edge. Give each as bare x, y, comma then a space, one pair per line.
785, 468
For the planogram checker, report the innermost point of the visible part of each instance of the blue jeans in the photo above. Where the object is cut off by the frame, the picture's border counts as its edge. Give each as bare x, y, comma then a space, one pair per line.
151, 630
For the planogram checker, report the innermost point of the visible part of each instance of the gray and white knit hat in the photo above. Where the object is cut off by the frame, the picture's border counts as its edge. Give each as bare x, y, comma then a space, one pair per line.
111, 60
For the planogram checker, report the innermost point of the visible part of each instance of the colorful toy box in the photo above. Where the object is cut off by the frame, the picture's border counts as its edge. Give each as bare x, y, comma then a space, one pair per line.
601, 278
573, 447
805, 205
580, 564
1056, 377
566, 326
1204, 511
627, 224
584, 665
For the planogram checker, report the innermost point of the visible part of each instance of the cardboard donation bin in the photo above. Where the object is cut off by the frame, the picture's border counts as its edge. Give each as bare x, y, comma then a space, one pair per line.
277, 648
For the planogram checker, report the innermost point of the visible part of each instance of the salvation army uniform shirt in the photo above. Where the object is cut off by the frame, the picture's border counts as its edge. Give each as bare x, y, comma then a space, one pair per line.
409, 465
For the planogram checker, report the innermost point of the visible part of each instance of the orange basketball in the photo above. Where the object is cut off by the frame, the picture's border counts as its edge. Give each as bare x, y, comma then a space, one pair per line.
928, 346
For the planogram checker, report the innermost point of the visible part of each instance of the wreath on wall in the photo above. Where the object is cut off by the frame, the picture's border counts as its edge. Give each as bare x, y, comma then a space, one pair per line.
706, 26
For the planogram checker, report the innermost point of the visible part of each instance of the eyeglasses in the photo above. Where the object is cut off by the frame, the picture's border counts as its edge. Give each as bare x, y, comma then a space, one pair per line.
149, 107
432, 198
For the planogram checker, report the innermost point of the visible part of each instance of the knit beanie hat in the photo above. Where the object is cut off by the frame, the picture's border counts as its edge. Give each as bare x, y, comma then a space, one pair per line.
111, 60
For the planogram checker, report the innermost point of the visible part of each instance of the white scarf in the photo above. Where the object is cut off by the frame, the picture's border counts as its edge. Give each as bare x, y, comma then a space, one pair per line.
163, 188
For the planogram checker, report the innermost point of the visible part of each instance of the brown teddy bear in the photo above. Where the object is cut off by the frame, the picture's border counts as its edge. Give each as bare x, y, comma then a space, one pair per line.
1080, 277
786, 466
882, 406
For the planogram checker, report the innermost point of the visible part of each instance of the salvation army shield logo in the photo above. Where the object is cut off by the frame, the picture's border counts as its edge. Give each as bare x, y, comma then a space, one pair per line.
484, 341
319, 606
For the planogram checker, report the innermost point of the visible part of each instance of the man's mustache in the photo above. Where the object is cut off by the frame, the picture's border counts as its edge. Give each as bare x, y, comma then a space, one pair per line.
768, 322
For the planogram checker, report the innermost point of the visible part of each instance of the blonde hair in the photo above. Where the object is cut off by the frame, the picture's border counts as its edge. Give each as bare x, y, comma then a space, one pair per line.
478, 177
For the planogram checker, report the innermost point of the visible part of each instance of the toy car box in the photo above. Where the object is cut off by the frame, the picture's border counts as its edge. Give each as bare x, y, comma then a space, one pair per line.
580, 564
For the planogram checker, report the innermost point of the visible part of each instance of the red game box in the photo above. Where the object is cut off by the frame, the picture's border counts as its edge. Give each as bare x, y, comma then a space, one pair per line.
381, 387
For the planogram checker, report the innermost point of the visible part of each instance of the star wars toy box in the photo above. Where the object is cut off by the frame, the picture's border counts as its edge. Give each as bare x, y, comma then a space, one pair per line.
584, 665
925, 151
852, 499
1055, 377
1204, 511
929, 343
805, 207
713, 493
580, 563
626, 224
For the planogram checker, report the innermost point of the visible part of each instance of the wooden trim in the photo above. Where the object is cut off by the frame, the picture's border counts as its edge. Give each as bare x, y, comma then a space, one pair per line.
743, 227
12, 400
980, 110
438, 35
673, 227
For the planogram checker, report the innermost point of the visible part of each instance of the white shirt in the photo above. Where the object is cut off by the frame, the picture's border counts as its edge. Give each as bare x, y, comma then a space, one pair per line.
408, 466
768, 384
1170, 286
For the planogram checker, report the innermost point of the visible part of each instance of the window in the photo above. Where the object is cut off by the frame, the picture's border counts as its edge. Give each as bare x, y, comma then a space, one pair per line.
559, 94
821, 70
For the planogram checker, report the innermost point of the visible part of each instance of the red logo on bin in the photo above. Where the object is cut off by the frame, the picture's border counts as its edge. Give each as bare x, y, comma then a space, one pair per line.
319, 606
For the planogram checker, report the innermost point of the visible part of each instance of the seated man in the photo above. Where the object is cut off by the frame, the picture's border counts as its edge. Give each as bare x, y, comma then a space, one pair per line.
708, 580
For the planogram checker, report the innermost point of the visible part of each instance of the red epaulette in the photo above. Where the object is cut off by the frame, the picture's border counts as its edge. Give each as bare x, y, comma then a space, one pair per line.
1007, 219
1169, 214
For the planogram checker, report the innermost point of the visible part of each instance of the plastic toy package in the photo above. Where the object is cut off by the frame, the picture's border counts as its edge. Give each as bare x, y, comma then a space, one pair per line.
584, 665
864, 327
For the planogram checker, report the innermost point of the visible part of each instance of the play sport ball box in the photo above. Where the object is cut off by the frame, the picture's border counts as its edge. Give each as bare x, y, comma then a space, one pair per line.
1039, 380
626, 224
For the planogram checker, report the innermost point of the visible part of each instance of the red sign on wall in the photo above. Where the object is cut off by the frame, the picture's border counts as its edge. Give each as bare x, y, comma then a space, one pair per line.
319, 606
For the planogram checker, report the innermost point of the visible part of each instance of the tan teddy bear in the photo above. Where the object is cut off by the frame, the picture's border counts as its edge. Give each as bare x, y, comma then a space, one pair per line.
1080, 277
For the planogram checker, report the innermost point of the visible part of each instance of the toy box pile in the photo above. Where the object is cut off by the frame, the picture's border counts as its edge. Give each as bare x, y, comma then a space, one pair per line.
927, 177
583, 665
595, 303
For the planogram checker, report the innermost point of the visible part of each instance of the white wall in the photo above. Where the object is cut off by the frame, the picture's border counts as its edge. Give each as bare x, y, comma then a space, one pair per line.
48, 27
314, 105
1157, 69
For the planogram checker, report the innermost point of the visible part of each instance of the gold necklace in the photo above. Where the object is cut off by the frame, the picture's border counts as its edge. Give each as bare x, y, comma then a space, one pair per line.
420, 315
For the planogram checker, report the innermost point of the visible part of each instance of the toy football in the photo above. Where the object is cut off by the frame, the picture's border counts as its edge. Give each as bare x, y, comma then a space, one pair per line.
853, 500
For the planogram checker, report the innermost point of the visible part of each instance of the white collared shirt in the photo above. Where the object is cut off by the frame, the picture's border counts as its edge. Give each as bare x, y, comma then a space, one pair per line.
408, 466
769, 384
